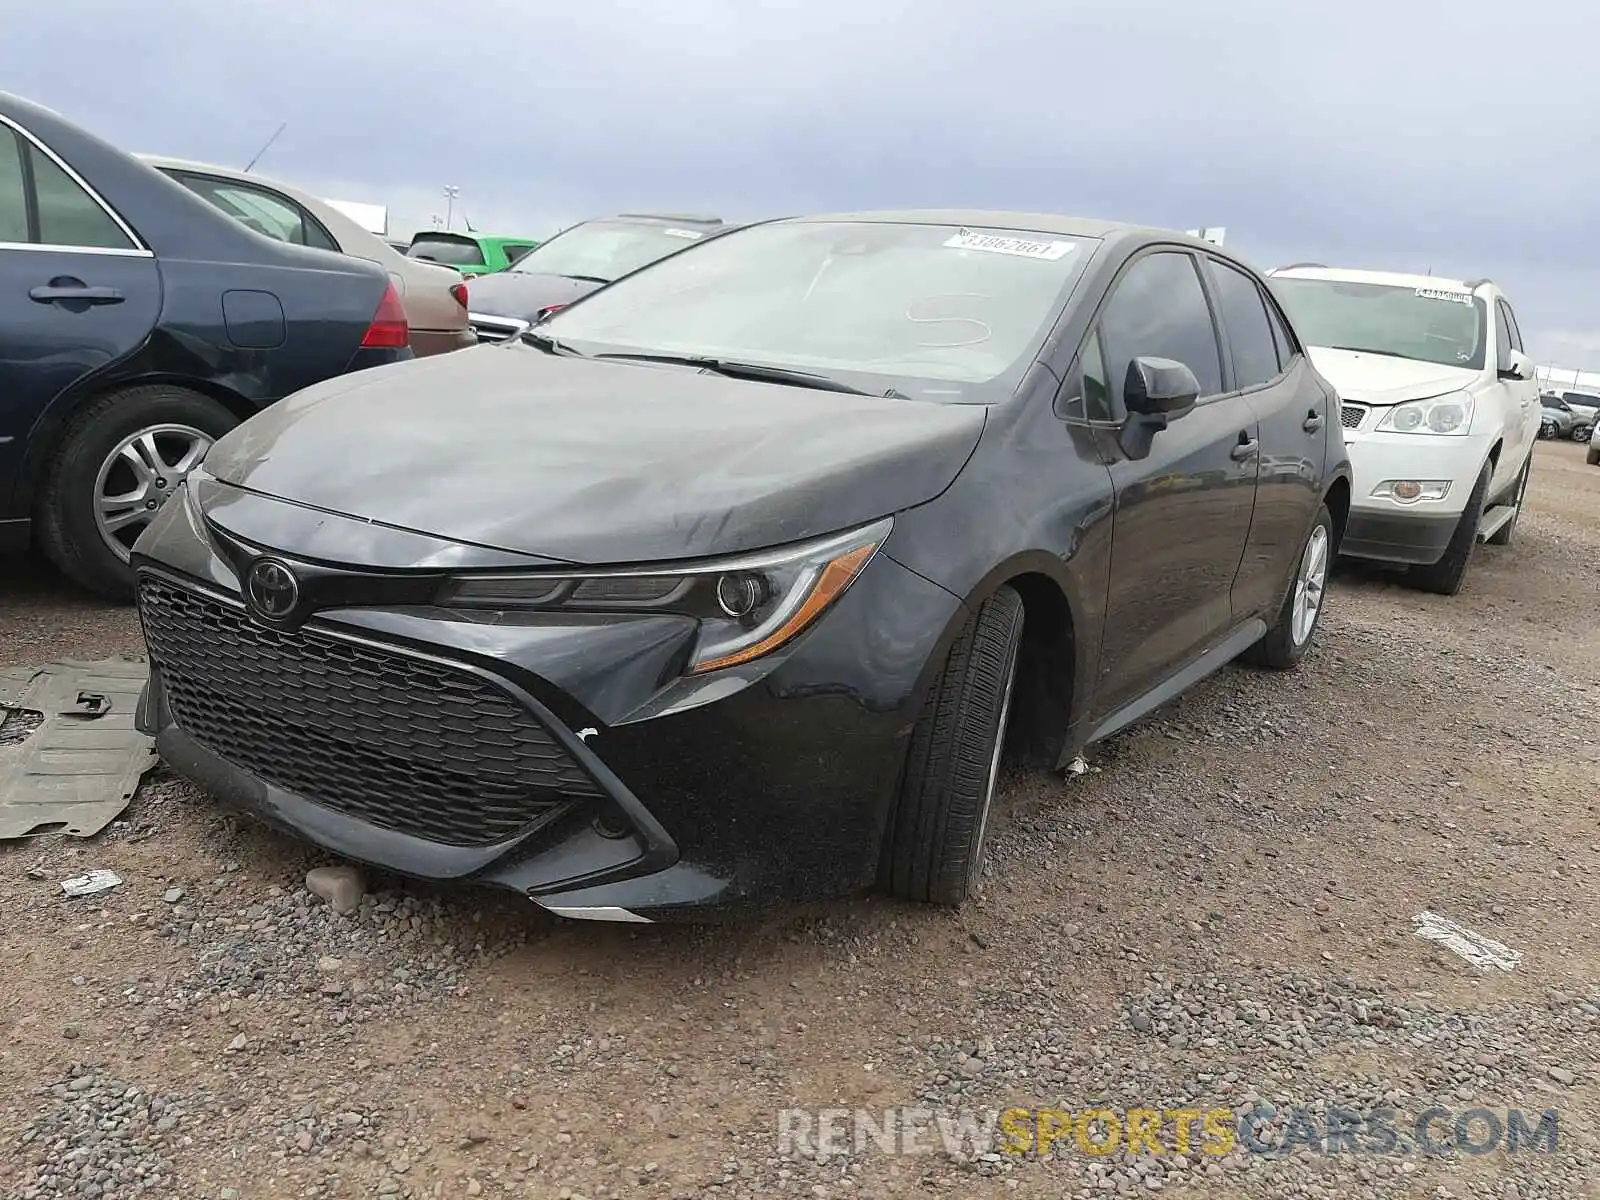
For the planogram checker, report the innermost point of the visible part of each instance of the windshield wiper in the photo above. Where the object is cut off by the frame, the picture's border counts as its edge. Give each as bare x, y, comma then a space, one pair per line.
1370, 350
543, 341
760, 372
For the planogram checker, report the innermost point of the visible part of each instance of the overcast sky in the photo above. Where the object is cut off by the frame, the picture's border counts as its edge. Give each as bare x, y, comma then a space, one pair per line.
1411, 134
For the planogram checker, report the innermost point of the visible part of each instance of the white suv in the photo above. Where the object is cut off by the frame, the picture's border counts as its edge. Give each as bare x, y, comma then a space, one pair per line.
1439, 405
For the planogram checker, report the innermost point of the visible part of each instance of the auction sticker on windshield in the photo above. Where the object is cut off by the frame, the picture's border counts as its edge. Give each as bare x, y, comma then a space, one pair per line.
965, 239
1437, 294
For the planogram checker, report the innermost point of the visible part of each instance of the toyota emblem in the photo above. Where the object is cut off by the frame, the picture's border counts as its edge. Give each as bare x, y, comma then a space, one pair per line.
272, 588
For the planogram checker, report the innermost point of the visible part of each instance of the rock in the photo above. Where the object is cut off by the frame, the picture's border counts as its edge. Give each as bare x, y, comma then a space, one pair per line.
474, 1188
1140, 1021
1562, 1075
238, 1044
172, 895
342, 887
327, 963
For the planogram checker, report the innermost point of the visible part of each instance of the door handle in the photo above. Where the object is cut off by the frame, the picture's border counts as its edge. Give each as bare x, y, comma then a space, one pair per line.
1245, 449
1313, 421
51, 293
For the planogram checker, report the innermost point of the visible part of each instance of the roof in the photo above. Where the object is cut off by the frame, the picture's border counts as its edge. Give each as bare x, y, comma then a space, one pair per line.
1030, 222
1390, 278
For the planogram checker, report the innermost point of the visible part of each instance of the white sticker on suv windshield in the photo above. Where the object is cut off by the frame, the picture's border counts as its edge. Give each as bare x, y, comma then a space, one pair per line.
965, 239
692, 234
1438, 294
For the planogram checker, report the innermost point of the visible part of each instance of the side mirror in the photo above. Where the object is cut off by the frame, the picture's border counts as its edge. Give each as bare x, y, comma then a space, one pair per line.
1159, 387
1156, 391
1516, 365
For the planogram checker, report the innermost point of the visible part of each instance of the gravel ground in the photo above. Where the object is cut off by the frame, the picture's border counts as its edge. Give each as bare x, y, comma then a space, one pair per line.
1217, 915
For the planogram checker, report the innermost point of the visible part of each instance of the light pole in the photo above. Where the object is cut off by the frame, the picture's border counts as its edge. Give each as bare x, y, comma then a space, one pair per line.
450, 194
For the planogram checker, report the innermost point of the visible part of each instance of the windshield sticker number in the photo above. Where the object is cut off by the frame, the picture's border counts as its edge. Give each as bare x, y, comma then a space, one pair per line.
691, 234
1437, 294
965, 239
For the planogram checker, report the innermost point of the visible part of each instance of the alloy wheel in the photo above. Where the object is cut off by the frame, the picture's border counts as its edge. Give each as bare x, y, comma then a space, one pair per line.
138, 476
1309, 585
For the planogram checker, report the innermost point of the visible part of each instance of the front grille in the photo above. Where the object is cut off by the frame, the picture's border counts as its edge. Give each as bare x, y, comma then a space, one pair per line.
495, 329
1351, 415
408, 744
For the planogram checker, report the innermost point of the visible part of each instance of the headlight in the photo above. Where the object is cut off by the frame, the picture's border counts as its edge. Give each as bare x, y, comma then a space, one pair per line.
747, 606
1450, 413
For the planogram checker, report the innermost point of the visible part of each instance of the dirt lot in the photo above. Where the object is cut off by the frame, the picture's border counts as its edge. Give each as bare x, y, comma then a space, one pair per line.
1218, 915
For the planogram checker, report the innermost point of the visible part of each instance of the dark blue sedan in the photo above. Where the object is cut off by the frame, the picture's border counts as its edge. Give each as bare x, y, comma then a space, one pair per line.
137, 326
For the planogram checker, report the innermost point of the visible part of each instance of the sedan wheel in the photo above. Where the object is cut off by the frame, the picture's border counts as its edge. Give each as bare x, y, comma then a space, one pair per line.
1309, 587
1547, 430
138, 476
1286, 642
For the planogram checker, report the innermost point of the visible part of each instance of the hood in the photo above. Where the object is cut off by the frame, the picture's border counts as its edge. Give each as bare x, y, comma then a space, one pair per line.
1364, 378
507, 447
521, 294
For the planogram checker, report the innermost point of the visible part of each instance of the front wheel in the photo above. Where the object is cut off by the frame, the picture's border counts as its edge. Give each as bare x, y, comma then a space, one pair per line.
1290, 637
1547, 430
1503, 535
935, 843
1444, 577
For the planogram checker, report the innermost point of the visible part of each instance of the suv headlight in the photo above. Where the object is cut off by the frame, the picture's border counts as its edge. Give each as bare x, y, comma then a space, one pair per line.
748, 606
1450, 413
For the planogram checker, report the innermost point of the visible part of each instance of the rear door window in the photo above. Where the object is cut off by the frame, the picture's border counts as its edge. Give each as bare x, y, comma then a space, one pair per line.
13, 194
68, 215
267, 212
1244, 317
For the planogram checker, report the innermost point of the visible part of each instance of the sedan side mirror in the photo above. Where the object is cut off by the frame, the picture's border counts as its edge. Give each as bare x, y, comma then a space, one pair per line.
1516, 365
1155, 391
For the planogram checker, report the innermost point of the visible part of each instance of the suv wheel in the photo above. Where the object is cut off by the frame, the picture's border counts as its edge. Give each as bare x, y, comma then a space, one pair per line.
1444, 577
1547, 430
117, 463
935, 844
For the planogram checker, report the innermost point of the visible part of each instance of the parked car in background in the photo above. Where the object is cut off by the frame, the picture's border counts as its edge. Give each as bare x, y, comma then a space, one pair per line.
734, 579
1585, 409
140, 325
469, 253
435, 298
575, 262
1440, 410
1556, 418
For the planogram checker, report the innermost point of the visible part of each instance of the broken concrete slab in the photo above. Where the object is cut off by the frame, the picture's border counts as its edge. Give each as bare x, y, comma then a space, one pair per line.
80, 767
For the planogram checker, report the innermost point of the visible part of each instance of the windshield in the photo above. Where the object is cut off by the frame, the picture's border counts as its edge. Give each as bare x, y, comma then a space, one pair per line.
457, 252
1436, 325
605, 250
893, 302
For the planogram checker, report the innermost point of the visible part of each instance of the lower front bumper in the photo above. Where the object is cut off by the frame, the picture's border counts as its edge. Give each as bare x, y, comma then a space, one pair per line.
774, 787
1417, 538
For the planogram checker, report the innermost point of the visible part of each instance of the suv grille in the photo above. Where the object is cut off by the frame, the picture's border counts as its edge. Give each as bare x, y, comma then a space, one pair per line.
400, 742
1351, 415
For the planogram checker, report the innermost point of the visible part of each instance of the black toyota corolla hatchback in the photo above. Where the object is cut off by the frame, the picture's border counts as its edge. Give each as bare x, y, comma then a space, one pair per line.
732, 580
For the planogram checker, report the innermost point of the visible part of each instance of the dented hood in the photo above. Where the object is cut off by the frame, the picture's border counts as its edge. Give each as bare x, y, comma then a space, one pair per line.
595, 462
1367, 378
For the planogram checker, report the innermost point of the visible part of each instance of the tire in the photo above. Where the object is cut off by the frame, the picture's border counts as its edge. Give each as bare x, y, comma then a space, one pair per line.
86, 464
934, 849
1444, 577
1287, 641
1547, 430
1503, 535
1580, 433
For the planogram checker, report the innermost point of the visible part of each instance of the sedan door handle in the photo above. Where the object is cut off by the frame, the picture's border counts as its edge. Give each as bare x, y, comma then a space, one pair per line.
1312, 423
50, 293
1244, 449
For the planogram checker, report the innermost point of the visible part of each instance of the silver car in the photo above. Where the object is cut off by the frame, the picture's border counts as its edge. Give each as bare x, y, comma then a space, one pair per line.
1556, 418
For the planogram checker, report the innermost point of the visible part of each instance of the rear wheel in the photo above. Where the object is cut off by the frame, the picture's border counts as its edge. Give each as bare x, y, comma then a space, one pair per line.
117, 463
1580, 433
1444, 577
1290, 637
1547, 429
935, 845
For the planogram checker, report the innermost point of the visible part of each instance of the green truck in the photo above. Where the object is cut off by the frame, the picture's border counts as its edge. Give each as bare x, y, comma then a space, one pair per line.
469, 253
